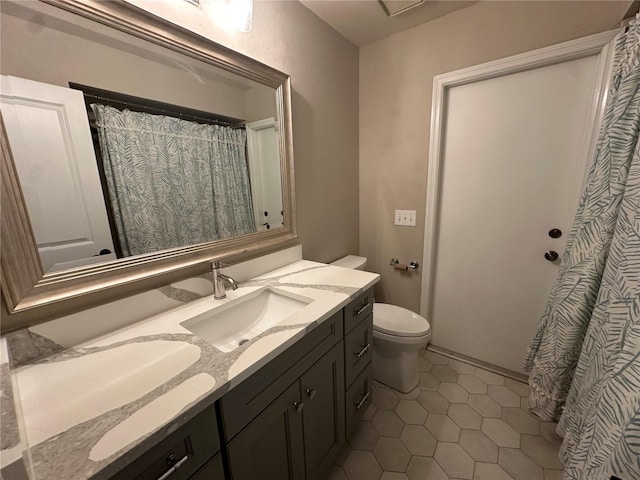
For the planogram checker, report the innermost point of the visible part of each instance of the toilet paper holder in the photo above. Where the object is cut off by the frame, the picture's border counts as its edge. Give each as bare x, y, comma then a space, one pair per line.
395, 263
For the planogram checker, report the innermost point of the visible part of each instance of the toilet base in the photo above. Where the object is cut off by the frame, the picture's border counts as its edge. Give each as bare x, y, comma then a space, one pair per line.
396, 368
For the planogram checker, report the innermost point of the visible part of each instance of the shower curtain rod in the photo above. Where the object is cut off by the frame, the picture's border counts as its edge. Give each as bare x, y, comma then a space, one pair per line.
114, 99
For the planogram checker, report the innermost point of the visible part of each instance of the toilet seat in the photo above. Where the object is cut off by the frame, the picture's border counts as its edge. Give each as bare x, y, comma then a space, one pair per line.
398, 322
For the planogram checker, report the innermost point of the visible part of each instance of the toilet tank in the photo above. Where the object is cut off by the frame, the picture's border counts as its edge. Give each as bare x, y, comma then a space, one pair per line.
351, 261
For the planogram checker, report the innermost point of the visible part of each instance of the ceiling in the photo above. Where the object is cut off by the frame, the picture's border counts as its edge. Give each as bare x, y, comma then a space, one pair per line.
365, 21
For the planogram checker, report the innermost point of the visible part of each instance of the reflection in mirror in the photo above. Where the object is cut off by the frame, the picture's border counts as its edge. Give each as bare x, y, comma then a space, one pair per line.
190, 155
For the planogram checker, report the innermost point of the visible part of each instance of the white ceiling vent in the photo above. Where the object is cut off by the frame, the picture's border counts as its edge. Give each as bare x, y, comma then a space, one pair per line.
396, 7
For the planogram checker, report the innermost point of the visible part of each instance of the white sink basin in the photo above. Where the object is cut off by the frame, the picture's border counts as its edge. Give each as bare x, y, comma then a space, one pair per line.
238, 321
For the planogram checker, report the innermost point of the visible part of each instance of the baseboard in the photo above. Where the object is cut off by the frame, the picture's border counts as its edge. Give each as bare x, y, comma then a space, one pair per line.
480, 364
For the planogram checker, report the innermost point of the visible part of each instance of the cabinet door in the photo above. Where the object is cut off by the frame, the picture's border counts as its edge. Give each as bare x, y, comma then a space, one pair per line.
323, 417
213, 470
271, 446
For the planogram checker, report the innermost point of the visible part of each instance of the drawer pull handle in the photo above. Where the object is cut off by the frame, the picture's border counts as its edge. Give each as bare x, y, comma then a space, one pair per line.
361, 402
311, 392
298, 406
362, 352
174, 467
357, 312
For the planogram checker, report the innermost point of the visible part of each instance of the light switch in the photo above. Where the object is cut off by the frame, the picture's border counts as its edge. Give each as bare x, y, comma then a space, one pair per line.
405, 218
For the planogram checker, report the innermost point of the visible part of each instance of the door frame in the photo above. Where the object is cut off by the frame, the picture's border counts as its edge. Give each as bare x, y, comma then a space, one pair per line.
593, 45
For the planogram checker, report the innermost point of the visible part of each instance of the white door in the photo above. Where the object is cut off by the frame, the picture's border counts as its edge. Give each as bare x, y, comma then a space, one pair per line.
264, 171
51, 143
513, 155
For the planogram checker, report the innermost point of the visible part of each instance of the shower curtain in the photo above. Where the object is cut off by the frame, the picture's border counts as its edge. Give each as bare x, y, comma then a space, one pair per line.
173, 182
584, 361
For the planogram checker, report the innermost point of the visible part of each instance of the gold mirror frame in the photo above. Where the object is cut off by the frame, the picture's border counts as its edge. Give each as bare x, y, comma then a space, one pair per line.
30, 296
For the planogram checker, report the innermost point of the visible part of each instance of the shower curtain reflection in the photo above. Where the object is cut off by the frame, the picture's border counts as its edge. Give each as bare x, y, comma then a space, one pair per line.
173, 182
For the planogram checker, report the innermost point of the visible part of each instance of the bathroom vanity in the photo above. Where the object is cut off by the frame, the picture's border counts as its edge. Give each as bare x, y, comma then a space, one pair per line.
278, 405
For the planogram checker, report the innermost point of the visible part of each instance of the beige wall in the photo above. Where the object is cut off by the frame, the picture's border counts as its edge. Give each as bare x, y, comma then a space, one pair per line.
324, 77
41, 37
396, 79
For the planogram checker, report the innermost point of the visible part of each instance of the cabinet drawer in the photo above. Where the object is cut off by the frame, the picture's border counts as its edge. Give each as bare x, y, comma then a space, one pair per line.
358, 398
185, 451
358, 348
358, 310
244, 402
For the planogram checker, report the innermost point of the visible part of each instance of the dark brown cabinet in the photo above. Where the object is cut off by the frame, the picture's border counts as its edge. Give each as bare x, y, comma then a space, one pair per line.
358, 354
323, 419
357, 310
181, 453
358, 348
213, 470
272, 446
358, 398
299, 435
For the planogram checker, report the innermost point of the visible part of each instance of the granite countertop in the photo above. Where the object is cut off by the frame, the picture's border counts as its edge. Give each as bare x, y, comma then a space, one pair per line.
87, 409
11, 442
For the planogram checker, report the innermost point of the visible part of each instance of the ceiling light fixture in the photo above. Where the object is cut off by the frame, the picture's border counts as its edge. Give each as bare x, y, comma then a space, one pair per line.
231, 15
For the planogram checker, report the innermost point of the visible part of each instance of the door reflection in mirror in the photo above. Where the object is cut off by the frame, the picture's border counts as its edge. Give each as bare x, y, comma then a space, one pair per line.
49, 137
264, 170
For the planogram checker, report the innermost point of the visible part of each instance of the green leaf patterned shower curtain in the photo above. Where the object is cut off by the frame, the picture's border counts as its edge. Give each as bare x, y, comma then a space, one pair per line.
584, 361
173, 182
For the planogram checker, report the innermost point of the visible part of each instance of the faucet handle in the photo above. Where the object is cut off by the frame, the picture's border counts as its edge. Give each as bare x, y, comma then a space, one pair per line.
218, 264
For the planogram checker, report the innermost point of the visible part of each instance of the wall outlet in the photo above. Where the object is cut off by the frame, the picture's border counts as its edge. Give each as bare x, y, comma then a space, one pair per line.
405, 218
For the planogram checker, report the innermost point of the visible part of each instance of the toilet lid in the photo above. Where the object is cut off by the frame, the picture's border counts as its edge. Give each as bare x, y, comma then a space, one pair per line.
351, 261
394, 320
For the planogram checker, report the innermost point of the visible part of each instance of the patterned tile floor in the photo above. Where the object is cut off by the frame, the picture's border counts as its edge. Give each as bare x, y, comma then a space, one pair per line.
461, 422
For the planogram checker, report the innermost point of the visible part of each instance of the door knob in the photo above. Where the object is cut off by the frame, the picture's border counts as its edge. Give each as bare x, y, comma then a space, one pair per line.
298, 406
551, 255
310, 393
555, 233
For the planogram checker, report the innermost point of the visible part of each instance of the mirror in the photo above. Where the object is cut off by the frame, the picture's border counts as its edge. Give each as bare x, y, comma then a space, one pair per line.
121, 50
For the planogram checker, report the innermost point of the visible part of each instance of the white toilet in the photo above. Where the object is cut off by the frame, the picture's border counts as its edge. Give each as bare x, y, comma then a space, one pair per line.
398, 335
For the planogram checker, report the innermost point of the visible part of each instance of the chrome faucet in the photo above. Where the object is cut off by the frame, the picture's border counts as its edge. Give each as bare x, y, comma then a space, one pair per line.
219, 279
